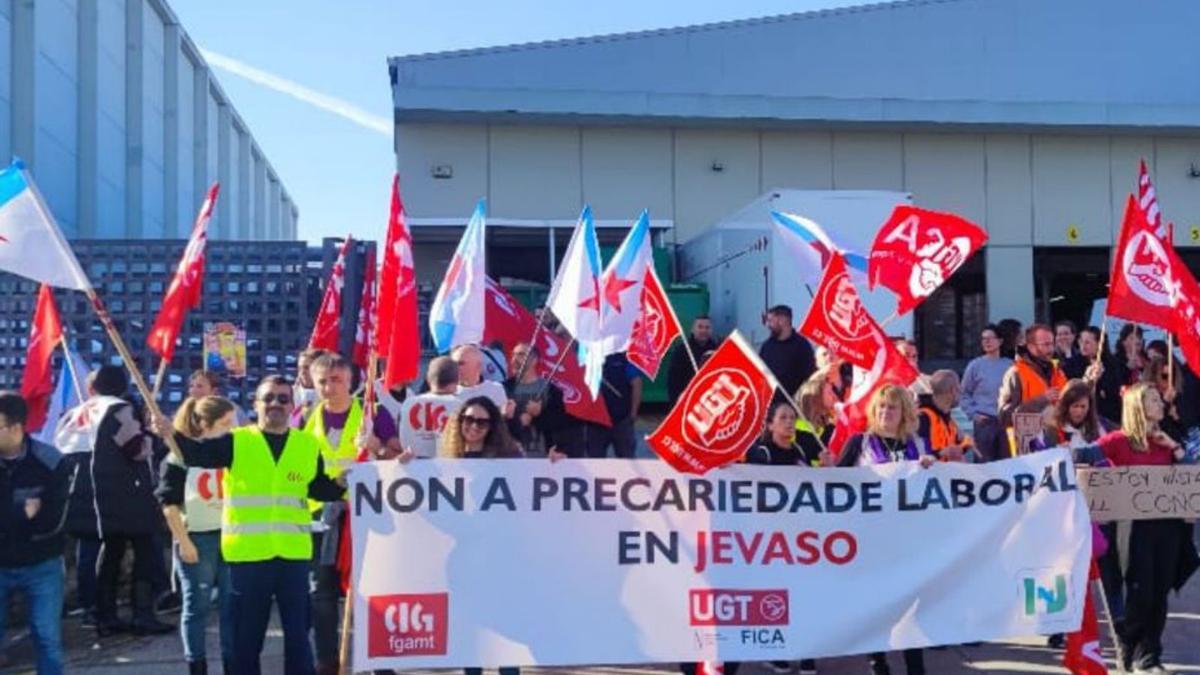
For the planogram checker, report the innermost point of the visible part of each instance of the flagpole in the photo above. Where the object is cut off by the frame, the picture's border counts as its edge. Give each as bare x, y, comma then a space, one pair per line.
801, 415
532, 344
1102, 346
71, 367
348, 607
1112, 625
1170, 360
158, 377
671, 308
557, 364
105, 319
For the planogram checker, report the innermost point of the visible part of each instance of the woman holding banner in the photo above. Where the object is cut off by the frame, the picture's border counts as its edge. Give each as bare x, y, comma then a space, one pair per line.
197, 530
891, 436
1162, 554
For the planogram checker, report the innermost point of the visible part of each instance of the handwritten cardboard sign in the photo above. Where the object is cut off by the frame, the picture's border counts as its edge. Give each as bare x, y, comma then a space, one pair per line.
1026, 428
1142, 492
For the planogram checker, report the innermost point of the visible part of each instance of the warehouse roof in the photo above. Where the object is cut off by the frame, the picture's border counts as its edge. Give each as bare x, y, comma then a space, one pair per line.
1001, 63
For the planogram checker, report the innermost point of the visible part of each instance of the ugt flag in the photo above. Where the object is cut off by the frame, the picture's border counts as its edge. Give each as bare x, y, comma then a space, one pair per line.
1142, 274
184, 292
575, 296
812, 247
456, 317
326, 329
45, 334
888, 367
655, 329
720, 414
31, 245
917, 250
838, 320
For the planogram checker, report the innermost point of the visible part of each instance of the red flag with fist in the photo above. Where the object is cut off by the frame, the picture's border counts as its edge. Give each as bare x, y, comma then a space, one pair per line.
1142, 273
720, 414
655, 328
889, 367
917, 250
838, 320
37, 382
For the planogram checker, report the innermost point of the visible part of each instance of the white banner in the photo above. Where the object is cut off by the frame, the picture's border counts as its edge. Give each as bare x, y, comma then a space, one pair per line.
522, 562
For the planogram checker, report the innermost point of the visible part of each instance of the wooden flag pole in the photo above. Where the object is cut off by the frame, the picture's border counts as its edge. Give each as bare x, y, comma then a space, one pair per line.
348, 605
557, 364
158, 377
138, 381
1102, 346
1112, 626
1170, 360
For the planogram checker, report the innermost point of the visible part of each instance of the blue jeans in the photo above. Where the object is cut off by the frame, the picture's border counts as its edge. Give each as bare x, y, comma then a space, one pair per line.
254, 585
196, 584
43, 586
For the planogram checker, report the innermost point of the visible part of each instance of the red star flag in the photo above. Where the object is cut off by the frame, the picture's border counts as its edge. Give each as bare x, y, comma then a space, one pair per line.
655, 329
720, 414
575, 295
37, 382
838, 320
184, 292
327, 328
917, 250
31, 245
1142, 274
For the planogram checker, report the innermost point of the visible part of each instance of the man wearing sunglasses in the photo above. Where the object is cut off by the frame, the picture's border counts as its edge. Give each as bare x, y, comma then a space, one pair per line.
266, 529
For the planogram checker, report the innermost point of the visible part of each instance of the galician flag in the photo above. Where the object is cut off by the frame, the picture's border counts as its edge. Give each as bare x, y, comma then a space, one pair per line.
575, 296
456, 316
31, 245
814, 248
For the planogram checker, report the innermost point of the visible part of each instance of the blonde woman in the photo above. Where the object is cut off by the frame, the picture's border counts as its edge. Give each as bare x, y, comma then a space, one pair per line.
192, 504
1161, 553
814, 425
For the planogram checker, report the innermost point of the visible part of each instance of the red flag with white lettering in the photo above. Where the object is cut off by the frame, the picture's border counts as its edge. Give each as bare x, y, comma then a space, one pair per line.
1185, 305
1083, 656
838, 320
507, 321
1148, 203
889, 367
366, 313
326, 330
1140, 288
37, 382
655, 328
184, 292
720, 414
917, 250
397, 335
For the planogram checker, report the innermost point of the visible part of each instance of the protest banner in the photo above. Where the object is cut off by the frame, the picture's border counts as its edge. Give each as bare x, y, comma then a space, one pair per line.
488, 563
225, 348
1142, 492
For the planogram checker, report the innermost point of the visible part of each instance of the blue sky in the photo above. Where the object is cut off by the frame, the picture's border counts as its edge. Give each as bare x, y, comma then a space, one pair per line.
338, 166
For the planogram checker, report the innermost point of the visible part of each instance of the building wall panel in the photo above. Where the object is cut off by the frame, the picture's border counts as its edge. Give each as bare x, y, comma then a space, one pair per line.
703, 194
535, 172
626, 170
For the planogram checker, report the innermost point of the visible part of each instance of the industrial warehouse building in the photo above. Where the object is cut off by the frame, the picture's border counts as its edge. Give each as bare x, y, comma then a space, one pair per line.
1025, 116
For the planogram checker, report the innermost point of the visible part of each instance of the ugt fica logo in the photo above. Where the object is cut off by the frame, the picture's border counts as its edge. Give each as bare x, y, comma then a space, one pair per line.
737, 607
407, 624
1044, 592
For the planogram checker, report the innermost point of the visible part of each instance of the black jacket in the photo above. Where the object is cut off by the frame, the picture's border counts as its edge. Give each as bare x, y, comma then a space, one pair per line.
791, 360
680, 371
81, 505
122, 477
38, 473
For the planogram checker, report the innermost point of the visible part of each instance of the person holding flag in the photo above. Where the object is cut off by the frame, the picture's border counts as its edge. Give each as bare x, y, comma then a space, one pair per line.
341, 428
538, 410
681, 368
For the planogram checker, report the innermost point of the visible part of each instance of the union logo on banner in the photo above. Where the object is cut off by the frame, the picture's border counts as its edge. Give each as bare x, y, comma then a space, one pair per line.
408, 624
721, 412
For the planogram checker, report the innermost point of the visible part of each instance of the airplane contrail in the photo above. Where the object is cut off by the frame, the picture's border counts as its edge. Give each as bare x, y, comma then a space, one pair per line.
343, 109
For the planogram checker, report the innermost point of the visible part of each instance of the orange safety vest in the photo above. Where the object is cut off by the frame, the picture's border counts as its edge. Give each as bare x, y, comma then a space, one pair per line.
1032, 384
941, 433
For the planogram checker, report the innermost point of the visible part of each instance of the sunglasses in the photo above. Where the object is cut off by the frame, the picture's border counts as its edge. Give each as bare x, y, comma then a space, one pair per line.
481, 422
282, 399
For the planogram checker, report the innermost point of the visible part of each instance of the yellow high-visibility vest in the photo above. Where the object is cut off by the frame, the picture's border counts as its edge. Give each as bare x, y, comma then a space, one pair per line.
266, 502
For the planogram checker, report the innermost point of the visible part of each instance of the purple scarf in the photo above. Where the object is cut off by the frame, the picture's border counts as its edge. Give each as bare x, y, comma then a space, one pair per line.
881, 455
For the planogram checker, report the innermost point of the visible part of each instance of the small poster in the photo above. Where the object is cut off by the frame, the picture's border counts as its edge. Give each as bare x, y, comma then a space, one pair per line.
1026, 428
225, 348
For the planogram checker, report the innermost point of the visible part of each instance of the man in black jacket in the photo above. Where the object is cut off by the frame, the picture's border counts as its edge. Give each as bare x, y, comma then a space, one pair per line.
126, 509
789, 356
34, 483
681, 371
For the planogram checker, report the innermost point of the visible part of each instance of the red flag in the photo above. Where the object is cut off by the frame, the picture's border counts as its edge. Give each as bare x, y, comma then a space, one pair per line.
655, 328
397, 337
508, 321
838, 320
1139, 290
184, 292
37, 382
329, 318
889, 367
1148, 203
917, 250
366, 313
1083, 646
721, 412
1185, 306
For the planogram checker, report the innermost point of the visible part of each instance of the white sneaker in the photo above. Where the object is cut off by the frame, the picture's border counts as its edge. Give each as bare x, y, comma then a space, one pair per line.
1156, 669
